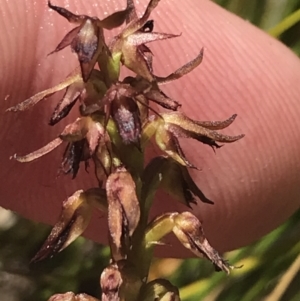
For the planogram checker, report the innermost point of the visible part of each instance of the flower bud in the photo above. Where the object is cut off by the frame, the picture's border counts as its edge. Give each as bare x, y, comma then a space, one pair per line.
70, 296
120, 281
110, 282
123, 208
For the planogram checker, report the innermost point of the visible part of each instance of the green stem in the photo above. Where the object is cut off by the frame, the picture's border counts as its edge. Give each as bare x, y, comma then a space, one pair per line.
139, 255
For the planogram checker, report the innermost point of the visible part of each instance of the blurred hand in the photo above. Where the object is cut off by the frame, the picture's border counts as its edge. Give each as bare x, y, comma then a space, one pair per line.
253, 182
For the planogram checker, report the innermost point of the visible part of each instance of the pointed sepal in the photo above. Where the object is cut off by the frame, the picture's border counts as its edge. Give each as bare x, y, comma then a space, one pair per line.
73, 78
185, 69
38, 153
183, 127
74, 218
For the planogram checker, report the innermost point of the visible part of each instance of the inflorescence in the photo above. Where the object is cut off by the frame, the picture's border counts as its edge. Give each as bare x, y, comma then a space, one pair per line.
116, 121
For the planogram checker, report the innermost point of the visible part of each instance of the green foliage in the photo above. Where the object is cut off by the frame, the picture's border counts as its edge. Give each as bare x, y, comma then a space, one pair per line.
73, 269
268, 15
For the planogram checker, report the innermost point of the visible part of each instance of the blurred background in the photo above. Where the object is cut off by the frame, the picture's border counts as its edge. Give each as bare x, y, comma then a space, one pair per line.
270, 266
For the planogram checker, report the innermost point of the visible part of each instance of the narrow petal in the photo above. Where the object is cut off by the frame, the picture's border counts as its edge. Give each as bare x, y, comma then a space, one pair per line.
33, 100
185, 69
114, 20
67, 40
132, 15
177, 182
162, 99
40, 152
193, 187
217, 125
103, 160
65, 105
165, 173
182, 126
148, 56
143, 105
138, 24
161, 173
201, 133
140, 38
77, 19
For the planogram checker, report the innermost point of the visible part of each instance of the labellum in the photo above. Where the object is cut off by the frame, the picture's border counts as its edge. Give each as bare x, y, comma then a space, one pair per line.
125, 113
75, 153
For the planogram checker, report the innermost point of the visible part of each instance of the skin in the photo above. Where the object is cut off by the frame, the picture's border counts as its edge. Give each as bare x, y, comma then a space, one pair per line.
253, 182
